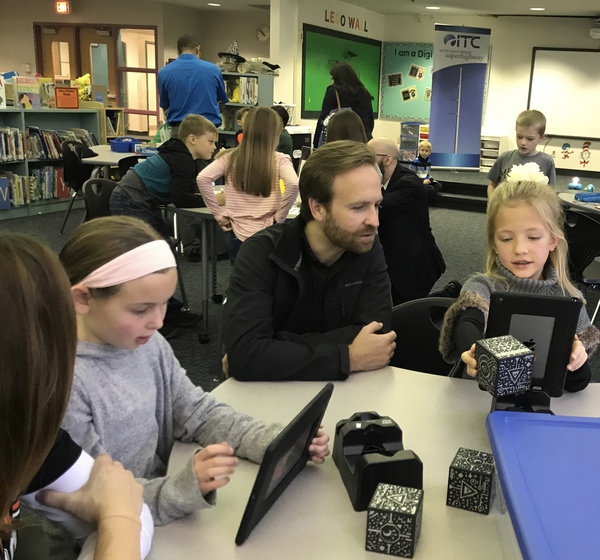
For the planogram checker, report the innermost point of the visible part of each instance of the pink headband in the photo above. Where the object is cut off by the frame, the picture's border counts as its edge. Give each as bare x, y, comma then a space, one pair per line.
143, 260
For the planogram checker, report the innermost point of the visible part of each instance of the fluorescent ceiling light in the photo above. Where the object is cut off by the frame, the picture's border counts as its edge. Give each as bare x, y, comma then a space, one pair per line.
432, 7
537, 9
213, 4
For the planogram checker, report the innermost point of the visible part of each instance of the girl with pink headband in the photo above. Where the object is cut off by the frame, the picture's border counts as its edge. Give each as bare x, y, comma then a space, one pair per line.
130, 397
40, 463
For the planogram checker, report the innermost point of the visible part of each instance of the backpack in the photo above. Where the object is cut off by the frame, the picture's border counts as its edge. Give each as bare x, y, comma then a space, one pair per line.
323, 136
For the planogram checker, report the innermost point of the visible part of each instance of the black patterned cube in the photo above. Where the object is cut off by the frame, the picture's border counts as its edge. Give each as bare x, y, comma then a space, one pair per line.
394, 520
504, 365
471, 481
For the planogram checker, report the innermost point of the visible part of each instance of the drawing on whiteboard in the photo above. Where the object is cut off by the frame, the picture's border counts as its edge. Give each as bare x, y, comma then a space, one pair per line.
565, 150
585, 154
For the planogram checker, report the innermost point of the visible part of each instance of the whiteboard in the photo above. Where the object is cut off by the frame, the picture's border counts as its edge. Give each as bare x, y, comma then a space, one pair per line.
565, 86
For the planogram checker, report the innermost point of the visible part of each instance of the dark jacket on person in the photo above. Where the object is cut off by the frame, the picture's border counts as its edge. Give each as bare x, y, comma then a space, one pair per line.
362, 108
170, 175
286, 144
271, 305
414, 261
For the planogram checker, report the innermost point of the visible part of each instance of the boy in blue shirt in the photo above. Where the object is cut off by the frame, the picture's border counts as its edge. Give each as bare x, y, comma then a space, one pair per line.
531, 129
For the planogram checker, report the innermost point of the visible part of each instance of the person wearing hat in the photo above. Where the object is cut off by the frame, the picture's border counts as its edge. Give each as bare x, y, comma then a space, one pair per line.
190, 85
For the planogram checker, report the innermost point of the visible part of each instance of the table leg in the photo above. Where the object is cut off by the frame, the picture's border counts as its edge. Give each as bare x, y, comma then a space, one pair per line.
203, 336
217, 298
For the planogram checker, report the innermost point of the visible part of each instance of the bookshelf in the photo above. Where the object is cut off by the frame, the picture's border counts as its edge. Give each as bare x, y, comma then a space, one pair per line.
243, 90
491, 148
116, 116
18, 121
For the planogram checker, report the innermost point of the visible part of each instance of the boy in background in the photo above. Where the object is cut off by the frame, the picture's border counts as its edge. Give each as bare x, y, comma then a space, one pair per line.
240, 117
531, 129
421, 165
286, 144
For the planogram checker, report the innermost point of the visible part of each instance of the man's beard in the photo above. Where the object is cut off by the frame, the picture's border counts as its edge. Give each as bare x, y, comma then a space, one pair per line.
349, 241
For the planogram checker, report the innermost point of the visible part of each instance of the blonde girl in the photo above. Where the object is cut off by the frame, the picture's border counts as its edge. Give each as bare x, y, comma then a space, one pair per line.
252, 171
130, 396
527, 253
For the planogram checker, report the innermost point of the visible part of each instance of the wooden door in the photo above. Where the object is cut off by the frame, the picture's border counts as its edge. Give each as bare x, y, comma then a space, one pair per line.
59, 55
97, 52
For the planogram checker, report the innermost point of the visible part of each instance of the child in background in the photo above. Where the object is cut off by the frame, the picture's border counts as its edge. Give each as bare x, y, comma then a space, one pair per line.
240, 118
531, 129
286, 144
527, 253
252, 172
130, 396
346, 125
421, 165
37, 352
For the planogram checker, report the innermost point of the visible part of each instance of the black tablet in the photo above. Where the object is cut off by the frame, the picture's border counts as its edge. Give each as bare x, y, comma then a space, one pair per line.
285, 457
546, 324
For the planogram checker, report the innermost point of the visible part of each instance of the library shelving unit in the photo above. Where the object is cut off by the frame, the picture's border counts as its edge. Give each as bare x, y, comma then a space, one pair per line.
116, 116
254, 90
47, 119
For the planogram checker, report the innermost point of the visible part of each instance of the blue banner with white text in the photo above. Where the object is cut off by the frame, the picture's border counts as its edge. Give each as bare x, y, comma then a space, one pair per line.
460, 56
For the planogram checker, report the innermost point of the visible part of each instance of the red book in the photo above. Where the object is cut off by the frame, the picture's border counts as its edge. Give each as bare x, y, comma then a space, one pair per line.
62, 191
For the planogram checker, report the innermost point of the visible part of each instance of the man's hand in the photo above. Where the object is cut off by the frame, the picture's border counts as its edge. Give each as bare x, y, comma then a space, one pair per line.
213, 466
370, 350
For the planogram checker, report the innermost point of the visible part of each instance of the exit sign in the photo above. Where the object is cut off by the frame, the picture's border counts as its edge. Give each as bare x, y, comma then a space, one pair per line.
62, 7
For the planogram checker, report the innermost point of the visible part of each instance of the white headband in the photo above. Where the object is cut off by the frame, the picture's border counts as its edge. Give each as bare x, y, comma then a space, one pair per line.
141, 261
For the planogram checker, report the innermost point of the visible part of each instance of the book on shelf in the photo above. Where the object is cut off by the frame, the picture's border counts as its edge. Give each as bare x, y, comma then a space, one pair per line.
62, 190
4, 192
110, 129
47, 95
11, 144
249, 90
2, 93
26, 92
85, 136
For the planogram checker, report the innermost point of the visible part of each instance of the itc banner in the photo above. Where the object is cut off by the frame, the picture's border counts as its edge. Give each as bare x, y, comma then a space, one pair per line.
460, 56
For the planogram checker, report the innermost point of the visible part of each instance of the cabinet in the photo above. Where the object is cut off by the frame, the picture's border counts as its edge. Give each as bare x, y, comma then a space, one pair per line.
491, 148
411, 133
243, 90
16, 122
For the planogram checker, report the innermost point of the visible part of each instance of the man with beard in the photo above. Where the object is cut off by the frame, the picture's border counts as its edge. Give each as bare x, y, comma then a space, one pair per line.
414, 261
310, 299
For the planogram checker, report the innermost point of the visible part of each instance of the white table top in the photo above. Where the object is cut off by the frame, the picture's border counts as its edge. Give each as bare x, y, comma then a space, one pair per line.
314, 517
569, 199
106, 156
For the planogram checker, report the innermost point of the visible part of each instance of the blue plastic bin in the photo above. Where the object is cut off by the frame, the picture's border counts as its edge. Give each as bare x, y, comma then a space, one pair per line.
124, 144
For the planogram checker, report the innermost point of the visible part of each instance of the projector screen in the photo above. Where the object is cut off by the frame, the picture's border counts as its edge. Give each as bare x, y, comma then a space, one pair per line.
565, 86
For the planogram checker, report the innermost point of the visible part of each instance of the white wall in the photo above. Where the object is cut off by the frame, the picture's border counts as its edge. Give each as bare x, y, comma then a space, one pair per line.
512, 41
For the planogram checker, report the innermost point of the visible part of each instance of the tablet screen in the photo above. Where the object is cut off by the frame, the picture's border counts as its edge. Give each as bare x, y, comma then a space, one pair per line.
287, 462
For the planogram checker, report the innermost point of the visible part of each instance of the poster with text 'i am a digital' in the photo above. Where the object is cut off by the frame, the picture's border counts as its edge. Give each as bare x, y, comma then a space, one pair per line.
406, 81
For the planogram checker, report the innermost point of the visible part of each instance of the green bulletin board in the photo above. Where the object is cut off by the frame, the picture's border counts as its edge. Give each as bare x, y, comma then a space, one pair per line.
321, 48
406, 81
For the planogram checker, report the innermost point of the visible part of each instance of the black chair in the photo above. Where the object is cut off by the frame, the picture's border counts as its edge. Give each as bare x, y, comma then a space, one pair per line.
127, 163
417, 324
96, 193
582, 230
75, 172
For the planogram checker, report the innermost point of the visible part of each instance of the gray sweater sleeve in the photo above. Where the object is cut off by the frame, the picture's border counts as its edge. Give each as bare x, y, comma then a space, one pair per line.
198, 416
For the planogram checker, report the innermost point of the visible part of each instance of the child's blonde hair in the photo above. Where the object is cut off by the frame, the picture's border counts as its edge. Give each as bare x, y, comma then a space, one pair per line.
98, 242
196, 125
547, 204
252, 163
532, 118
425, 144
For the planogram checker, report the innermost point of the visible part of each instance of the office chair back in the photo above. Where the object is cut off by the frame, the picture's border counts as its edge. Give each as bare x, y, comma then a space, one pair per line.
126, 164
96, 193
582, 231
75, 173
417, 324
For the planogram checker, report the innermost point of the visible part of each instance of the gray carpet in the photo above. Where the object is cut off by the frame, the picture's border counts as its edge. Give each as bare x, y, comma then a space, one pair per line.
460, 235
